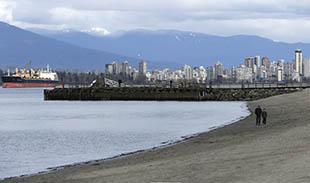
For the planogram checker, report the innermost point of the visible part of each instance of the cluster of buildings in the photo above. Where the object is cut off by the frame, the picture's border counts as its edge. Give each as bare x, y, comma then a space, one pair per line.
254, 69
257, 69
126, 70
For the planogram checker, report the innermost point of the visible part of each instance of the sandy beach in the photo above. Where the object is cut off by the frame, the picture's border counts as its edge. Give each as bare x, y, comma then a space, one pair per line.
241, 152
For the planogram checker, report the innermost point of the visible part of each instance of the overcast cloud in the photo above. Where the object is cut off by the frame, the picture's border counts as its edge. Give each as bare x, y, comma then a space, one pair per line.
280, 20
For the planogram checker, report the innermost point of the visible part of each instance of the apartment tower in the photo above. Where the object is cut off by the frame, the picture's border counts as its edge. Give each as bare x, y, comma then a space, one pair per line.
298, 61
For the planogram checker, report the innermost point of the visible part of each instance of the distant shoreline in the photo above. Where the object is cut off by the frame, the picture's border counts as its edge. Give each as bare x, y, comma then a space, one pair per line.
237, 152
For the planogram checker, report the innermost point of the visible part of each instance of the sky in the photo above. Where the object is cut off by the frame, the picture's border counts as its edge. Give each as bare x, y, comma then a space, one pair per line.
279, 20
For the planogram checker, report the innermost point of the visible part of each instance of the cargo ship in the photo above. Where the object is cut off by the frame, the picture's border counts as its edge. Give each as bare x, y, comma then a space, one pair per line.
30, 79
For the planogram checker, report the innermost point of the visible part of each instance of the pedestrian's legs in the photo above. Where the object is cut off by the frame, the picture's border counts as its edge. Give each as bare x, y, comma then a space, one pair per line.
257, 120
264, 120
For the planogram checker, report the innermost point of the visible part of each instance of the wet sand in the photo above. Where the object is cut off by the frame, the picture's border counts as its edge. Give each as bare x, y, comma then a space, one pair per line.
241, 152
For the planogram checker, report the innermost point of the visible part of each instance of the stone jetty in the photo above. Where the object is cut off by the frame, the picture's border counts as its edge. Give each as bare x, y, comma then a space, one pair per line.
162, 94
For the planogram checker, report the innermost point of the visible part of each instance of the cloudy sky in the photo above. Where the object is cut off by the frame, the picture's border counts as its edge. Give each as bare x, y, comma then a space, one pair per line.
280, 20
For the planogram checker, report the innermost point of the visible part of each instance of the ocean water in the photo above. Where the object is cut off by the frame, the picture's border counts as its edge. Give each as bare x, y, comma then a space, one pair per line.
37, 134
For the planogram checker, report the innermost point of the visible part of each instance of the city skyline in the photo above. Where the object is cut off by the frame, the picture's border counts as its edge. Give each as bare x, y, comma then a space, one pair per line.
254, 68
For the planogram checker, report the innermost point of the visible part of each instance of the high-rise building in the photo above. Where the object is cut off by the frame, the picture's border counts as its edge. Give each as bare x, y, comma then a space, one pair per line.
125, 68
244, 73
227, 73
298, 61
307, 67
167, 74
281, 63
288, 70
262, 74
219, 70
272, 72
176, 75
115, 68
157, 75
280, 70
266, 62
210, 73
188, 72
279, 74
142, 67
108, 69
200, 74
257, 61
249, 62
134, 73
234, 73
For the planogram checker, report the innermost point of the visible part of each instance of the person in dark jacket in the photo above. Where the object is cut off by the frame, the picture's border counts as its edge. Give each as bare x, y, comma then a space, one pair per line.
258, 112
264, 115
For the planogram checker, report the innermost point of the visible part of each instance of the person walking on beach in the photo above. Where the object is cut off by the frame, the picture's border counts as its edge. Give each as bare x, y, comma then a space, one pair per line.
258, 112
264, 115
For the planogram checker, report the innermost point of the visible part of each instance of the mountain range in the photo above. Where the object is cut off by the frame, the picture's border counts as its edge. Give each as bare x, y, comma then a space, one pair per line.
87, 50
18, 46
182, 47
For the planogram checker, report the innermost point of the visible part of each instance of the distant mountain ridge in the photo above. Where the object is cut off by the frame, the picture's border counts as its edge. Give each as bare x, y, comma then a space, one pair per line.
77, 50
185, 47
18, 46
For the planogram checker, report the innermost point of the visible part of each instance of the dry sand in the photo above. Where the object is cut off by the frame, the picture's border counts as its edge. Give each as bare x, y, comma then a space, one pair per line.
241, 152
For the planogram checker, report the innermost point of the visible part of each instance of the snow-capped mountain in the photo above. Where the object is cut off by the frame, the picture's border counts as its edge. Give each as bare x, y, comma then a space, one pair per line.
97, 31
18, 46
185, 47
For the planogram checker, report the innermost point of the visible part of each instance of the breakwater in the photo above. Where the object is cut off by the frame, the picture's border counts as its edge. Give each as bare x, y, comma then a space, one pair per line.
162, 94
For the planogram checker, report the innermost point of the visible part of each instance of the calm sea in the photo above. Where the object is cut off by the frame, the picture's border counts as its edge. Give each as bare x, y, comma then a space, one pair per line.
37, 134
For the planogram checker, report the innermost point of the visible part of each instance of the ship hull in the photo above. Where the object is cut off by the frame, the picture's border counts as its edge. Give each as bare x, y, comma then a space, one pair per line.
28, 85
17, 82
